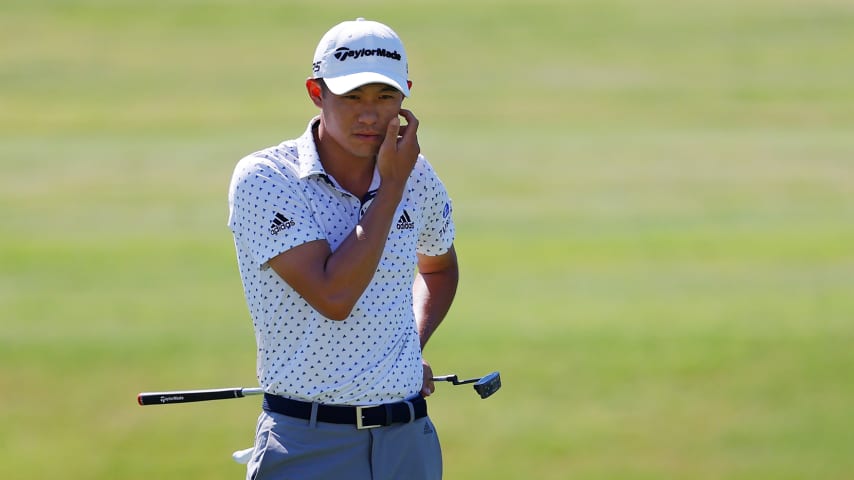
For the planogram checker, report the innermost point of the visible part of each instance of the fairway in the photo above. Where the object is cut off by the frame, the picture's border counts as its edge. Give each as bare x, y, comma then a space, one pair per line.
655, 224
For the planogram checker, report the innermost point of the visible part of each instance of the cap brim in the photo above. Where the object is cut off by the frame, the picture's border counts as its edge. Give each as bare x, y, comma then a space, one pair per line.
345, 83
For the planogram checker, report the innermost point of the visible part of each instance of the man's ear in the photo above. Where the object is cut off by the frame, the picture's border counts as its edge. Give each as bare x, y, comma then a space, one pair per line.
409, 84
315, 91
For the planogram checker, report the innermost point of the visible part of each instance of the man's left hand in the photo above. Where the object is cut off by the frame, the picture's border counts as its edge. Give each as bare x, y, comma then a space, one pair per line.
427, 387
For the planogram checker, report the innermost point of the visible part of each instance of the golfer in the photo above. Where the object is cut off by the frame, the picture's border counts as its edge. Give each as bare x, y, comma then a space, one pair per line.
344, 240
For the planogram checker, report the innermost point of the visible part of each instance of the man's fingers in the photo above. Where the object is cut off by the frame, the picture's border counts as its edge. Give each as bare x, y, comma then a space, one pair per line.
409, 131
397, 154
428, 387
392, 131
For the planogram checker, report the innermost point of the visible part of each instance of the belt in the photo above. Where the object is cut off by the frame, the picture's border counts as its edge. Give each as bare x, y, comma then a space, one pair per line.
362, 417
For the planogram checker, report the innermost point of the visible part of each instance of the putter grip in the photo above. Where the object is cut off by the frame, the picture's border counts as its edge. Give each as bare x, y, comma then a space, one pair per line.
163, 398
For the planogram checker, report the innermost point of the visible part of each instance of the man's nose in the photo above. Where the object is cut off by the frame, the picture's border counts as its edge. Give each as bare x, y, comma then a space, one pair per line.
368, 114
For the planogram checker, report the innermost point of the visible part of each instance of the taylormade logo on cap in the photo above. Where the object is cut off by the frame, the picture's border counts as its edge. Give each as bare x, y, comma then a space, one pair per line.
344, 53
359, 52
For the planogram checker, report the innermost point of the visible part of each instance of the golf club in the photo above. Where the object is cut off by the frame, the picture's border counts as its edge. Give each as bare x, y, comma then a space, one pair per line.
484, 386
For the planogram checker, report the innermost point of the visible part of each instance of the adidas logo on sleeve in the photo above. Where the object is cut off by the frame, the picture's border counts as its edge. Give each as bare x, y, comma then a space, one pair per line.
280, 223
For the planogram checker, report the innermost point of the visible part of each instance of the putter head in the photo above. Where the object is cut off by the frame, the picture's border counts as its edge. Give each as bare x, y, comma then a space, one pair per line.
488, 385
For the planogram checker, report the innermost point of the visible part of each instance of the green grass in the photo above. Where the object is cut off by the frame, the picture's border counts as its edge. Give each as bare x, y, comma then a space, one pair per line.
654, 207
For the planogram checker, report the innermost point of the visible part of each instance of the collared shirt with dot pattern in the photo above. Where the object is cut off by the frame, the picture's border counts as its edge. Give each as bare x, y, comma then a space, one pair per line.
281, 197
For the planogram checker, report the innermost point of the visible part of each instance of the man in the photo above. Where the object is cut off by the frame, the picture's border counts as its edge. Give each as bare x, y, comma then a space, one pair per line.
344, 242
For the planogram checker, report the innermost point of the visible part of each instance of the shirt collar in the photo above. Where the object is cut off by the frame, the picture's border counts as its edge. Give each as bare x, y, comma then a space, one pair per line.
309, 160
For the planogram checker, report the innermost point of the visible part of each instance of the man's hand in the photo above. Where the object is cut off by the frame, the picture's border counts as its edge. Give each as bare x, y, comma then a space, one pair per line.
399, 150
427, 387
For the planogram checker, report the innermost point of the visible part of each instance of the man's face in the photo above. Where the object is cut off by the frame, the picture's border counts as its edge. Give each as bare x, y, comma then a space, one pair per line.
356, 121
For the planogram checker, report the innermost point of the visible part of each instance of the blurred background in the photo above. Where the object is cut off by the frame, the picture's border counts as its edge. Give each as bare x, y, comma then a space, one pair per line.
654, 203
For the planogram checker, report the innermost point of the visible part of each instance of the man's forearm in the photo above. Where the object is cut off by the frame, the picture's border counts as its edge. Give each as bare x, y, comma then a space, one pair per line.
351, 267
433, 293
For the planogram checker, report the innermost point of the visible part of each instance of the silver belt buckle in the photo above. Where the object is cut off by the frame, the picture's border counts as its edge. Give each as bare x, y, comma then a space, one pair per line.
360, 420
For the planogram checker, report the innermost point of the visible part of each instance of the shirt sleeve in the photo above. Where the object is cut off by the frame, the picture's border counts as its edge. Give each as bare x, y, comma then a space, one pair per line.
268, 211
437, 236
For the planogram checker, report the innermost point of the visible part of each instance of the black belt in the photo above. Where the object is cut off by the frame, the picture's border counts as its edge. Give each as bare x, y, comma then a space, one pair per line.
362, 417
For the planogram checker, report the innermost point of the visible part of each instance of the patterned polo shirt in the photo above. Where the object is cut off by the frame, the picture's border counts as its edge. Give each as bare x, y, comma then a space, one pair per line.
281, 197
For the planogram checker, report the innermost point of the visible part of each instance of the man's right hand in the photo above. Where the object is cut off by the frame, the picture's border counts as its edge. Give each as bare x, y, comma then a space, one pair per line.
399, 151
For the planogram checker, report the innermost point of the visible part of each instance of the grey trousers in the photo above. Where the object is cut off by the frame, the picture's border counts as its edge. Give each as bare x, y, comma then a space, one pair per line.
291, 448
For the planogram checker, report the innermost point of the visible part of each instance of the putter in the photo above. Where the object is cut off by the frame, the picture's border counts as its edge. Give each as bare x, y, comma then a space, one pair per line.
484, 386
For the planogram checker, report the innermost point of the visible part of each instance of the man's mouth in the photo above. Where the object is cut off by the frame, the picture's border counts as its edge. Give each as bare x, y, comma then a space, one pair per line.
368, 136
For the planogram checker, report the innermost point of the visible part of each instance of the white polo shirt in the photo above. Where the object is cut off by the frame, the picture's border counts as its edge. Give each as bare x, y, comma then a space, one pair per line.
281, 197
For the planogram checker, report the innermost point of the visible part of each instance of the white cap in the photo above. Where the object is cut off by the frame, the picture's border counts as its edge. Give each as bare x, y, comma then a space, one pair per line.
359, 52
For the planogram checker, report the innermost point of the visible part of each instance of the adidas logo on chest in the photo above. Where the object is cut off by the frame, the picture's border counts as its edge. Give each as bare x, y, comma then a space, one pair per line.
405, 222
